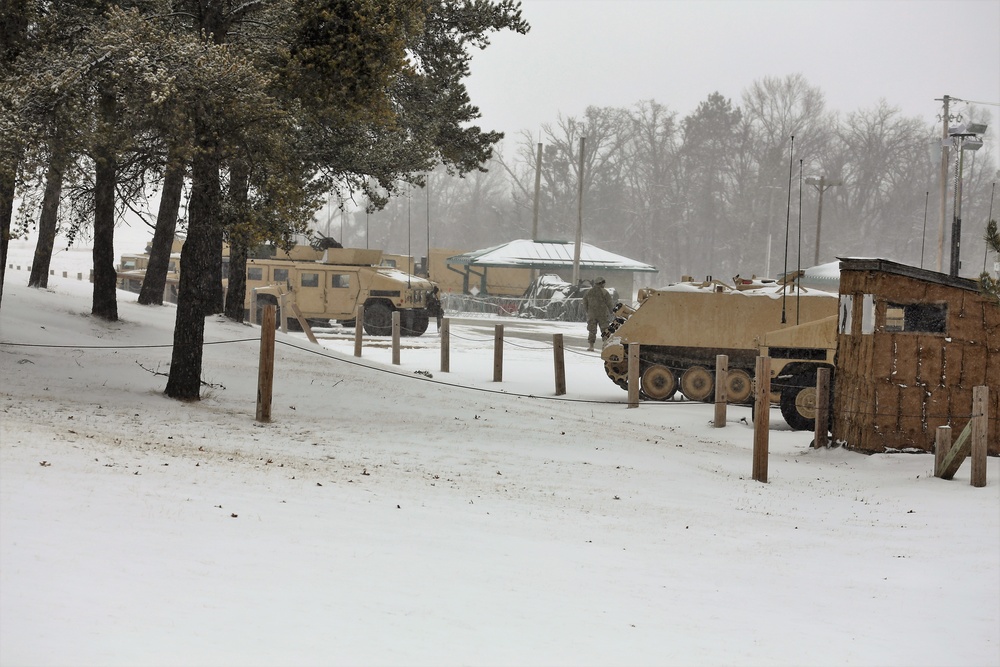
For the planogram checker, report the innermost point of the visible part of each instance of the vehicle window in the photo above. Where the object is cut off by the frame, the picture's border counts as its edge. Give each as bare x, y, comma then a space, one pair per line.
342, 280
917, 317
310, 280
255, 273
281, 275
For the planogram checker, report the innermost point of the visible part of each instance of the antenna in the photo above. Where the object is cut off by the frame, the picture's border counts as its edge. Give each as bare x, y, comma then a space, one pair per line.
788, 215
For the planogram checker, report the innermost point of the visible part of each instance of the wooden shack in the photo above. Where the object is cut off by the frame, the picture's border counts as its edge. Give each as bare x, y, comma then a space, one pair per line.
911, 345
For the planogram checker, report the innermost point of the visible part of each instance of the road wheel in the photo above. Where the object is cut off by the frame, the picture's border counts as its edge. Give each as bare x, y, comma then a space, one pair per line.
739, 386
618, 372
697, 383
658, 383
378, 319
798, 406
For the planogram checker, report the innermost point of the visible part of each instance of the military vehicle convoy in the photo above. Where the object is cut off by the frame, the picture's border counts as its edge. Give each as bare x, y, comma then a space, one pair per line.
332, 287
682, 328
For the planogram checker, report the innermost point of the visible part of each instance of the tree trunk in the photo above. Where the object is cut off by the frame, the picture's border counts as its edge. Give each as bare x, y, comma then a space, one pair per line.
105, 165
47, 225
239, 178
163, 238
6, 213
195, 291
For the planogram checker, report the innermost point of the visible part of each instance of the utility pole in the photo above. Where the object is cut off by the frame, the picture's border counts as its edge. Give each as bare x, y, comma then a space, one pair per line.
579, 220
945, 142
822, 185
534, 212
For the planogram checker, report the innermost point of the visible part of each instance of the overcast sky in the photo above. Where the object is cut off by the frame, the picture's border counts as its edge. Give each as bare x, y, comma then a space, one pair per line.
618, 52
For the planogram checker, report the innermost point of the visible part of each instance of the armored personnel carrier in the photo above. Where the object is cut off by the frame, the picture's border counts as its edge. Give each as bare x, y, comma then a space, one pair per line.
682, 328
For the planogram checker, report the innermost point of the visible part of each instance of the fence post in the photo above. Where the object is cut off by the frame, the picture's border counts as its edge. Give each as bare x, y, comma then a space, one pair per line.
283, 312
942, 444
560, 363
980, 424
498, 353
395, 337
445, 345
265, 367
822, 407
253, 305
359, 327
762, 416
633, 375
721, 397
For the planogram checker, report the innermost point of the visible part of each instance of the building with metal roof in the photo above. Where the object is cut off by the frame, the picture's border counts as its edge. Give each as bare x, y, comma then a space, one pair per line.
548, 257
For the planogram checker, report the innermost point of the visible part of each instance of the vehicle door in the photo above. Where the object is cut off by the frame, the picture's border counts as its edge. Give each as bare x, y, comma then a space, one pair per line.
343, 286
310, 292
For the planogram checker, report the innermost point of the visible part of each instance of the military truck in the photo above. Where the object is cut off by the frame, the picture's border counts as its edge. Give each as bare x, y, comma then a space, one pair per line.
682, 328
332, 287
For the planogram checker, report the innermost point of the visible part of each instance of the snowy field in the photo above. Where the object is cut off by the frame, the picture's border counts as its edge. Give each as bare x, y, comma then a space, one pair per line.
389, 518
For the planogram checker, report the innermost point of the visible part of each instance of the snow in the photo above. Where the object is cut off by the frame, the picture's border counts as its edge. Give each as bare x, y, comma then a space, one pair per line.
384, 517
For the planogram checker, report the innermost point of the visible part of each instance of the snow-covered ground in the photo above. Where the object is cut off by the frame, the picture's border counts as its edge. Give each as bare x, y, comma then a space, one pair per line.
386, 517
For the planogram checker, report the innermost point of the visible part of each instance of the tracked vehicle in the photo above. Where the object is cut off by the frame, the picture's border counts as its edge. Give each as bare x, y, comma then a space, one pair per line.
332, 287
682, 328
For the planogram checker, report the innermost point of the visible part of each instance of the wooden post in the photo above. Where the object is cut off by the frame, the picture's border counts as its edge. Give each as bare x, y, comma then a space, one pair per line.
265, 368
560, 363
498, 353
633, 375
445, 344
942, 443
980, 424
721, 397
395, 337
283, 312
822, 407
762, 417
359, 327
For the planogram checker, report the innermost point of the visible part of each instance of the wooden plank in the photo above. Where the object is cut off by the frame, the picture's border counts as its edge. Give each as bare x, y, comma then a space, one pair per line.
957, 454
303, 322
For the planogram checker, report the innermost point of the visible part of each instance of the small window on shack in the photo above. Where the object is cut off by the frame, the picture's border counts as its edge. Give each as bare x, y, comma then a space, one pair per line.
846, 314
310, 280
341, 280
867, 314
280, 275
391, 263
255, 273
917, 317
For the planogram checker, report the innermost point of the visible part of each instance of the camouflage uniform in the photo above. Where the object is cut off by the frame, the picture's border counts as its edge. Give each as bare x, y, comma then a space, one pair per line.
598, 304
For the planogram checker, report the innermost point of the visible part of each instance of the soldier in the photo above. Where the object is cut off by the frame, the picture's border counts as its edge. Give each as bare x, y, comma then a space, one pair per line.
433, 306
598, 304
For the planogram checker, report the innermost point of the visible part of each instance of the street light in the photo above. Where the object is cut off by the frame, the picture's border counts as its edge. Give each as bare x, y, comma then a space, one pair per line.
965, 137
822, 185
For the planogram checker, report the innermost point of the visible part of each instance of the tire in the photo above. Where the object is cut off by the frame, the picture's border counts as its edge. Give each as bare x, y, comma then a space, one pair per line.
798, 406
697, 384
378, 319
413, 322
658, 383
739, 386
